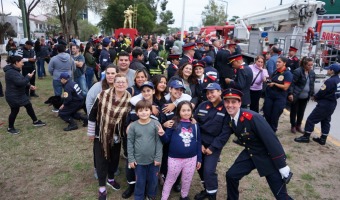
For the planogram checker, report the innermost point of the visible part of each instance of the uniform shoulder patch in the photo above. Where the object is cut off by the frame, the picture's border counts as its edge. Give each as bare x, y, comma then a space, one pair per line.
247, 115
242, 67
323, 87
65, 94
295, 58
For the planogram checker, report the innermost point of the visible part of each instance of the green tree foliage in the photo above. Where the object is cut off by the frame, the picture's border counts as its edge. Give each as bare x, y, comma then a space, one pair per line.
234, 18
113, 17
166, 17
213, 14
86, 29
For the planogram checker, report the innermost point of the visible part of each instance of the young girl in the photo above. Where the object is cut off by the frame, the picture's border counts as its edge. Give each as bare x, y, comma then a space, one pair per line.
184, 150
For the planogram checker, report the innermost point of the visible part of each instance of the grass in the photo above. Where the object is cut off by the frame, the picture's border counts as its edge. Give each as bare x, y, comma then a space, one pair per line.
48, 163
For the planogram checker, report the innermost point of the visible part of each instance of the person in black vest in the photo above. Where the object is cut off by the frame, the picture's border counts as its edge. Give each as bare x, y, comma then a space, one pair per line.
327, 102
243, 76
293, 61
73, 101
262, 149
29, 65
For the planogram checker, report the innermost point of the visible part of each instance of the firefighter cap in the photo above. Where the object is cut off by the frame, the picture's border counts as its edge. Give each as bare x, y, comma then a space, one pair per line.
291, 48
188, 46
232, 94
235, 57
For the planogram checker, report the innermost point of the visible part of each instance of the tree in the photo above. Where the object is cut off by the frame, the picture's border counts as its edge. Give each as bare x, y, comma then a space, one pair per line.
28, 9
166, 17
86, 29
6, 29
234, 18
113, 16
213, 14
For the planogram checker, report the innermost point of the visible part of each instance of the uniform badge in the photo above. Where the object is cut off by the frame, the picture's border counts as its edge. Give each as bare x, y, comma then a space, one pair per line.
280, 78
65, 94
241, 119
323, 87
205, 80
220, 108
207, 107
242, 67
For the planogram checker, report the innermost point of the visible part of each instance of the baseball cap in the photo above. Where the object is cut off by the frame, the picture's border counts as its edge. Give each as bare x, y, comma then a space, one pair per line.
334, 67
177, 84
213, 86
147, 84
64, 75
208, 60
106, 41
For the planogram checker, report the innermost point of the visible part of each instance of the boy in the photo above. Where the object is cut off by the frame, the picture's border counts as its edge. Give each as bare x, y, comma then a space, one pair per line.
173, 67
145, 159
73, 101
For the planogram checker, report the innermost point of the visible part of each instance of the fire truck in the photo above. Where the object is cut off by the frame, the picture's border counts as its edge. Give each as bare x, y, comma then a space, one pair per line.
294, 24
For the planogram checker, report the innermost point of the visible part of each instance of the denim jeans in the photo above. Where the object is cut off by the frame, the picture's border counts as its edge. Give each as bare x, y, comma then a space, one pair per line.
81, 81
57, 87
41, 67
89, 74
146, 175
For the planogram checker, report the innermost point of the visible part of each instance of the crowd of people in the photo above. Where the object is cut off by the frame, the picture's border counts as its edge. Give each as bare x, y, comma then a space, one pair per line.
171, 121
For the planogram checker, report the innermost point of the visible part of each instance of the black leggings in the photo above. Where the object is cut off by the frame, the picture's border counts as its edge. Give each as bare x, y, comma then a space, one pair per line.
15, 111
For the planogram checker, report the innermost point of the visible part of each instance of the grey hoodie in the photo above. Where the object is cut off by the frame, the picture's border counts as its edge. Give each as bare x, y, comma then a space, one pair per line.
60, 63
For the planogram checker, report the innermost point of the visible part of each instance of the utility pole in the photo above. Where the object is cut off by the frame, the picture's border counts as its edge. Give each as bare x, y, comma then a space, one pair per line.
226, 8
280, 2
22, 5
183, 17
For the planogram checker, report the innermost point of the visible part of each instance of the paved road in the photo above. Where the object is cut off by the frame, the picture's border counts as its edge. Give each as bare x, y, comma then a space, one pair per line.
335, 123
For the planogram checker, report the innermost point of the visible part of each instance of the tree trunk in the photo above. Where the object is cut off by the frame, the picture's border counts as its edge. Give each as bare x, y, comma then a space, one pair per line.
76, 28
28, 25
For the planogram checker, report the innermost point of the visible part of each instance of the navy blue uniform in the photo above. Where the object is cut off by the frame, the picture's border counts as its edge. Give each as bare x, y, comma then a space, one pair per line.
263, 151
275, 100
210, 120
212, 74
73, 101
104, 59
201, 85
242, 82
172, 69
134, 90
327, 101
293, 63
185, 59
223, 67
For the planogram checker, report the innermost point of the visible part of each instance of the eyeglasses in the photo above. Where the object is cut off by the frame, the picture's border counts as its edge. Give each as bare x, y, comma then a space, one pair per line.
120, 82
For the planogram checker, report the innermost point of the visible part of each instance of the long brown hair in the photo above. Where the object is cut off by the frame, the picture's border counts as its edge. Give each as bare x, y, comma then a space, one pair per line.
177, 117
305, 60
105, 84
192, 79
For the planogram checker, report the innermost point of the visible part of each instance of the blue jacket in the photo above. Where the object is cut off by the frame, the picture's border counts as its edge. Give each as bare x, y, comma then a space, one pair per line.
184, 141
271, 64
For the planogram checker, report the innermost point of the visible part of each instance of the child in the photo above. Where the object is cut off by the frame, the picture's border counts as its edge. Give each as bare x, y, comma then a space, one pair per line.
173, 67
145, 159
184, 150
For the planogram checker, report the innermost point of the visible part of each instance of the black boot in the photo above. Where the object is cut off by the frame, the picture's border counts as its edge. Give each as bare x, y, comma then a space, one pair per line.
212, 196
184, 198
85, 120
321, 140
177, 187
129, 191
303, 139
202, 195
72, 125
1, 91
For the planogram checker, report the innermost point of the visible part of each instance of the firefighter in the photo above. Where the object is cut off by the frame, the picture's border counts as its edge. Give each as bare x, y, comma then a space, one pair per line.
293, 61
327, 101
189, 52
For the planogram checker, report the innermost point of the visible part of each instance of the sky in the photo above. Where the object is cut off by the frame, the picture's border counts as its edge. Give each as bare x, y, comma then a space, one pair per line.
193, 9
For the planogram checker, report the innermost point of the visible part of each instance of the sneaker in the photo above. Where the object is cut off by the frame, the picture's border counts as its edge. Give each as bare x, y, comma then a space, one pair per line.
102, 195
13, 131
113, 184
55, 110
39, 123
319, 140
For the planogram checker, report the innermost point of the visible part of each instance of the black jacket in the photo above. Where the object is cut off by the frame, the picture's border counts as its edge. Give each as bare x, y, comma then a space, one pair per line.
299, 82
15, 86
136, 64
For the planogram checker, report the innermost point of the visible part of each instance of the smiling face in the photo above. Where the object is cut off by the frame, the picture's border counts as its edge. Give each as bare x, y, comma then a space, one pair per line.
110, 75
214, 96
120, 84
199, 71
147, 93
185, 111
123, 63
144, 113
187, 71
140, 79
161, 85
175, 93
232, 106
